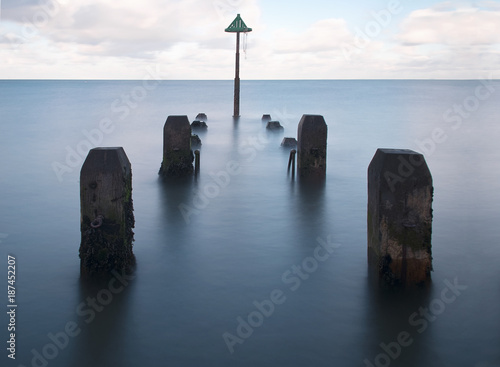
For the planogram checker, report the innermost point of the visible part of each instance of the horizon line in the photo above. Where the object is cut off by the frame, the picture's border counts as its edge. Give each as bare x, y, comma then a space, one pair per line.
243, 80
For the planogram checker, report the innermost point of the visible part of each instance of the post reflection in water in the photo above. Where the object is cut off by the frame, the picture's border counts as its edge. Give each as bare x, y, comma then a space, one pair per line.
309, 210
105, 320
197, 278
398, 333
177, 200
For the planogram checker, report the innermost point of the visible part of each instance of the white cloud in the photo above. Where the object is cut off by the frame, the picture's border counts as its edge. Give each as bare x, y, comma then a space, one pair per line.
324, 35
89, 36
146, 25
132, 28
451, 26
449, 41
105, 39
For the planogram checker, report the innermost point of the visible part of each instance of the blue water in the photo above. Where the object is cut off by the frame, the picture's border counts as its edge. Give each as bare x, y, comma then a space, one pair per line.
199, 274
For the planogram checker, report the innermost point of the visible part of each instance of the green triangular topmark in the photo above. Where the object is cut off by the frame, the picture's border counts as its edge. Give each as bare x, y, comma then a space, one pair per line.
238, 25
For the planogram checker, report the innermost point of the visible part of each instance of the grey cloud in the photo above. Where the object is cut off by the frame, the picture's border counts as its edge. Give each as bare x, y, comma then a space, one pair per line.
13, 4
27, 10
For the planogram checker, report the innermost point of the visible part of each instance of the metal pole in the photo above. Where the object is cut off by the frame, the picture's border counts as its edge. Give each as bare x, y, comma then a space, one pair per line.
237, 79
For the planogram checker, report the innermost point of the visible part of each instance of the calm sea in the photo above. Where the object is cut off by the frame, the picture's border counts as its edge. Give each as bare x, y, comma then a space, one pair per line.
229, 280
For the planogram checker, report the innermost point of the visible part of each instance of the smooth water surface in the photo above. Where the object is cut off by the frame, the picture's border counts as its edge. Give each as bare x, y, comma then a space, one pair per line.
211, 251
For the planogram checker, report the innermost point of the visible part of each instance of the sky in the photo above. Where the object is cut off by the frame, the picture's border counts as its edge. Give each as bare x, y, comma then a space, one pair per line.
292, 39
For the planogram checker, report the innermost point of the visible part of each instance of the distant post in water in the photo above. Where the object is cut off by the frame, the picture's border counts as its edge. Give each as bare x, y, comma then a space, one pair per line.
106, 209
177, 155
399, 218
237, 26
311, 147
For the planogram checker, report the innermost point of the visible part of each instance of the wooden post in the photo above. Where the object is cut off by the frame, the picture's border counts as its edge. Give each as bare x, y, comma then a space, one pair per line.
107, 216
266, 118
289, 143
177, 155
197, 161
400, 216
311, 147
237, 79
202, 117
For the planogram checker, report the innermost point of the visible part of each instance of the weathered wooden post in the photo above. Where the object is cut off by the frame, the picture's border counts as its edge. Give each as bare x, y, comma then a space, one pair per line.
177, 155
311, 147
289, 142
274, 126
400, 216
107, 216
202, 117
197, 161
237, 26
266, 118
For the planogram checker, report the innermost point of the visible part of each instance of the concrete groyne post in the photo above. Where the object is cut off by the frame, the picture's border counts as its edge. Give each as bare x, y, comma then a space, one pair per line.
106, 209
177, 155
311, 146
399, 218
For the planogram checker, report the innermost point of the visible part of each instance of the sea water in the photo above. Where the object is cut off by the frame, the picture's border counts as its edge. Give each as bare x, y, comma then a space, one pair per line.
245, 266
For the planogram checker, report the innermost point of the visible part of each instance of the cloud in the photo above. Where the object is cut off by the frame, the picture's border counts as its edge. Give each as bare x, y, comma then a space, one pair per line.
133, 28
450, 41
23, 11
106, 39
129, 28
446, 25
324, 35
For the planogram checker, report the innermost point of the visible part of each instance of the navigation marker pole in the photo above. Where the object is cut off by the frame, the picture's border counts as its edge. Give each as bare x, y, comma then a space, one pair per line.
237, 26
